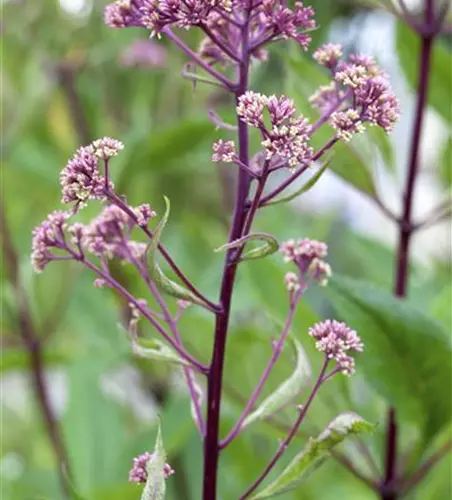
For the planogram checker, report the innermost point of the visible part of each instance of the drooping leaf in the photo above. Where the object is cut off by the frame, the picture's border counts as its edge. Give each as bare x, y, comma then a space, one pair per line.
155, 350
288, 390
270, 246
315, 453
440, 76
407, 354
380, 139
155, 486
306, 187
165, 284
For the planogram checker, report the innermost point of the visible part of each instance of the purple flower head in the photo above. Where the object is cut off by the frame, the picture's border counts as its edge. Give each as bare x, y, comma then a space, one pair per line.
81, 179
346, 123
288, 137
328, 55
288, 23
292, 282
251, 108
49, 234
106, 235
308, 256
223, 151
106, 147
335, 339
280, 109
289, 142
146, 54
144, 214
139, 473
154, 15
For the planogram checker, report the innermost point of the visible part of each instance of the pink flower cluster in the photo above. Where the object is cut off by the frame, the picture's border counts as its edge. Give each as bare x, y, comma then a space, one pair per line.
139, 473
287, 136
359, 92
106, 236
81, 179
308, 255
335, 339
220, 18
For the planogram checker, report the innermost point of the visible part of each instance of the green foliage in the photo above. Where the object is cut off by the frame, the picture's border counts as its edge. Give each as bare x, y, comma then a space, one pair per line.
315, 453
407, 356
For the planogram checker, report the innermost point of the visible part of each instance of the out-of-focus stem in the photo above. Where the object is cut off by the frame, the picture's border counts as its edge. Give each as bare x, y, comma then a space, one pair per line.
405, 234
33, 345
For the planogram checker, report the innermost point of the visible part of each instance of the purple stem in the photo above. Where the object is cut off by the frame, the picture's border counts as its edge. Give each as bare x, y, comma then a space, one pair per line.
215, 376
175, 331
283, 446
143, 310
405, 233
275, 355
192, 55
295, 175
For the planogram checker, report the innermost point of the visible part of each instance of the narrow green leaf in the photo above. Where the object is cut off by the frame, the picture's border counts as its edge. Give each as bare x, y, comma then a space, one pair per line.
156, 350
165, 284
270, 246
288, 390
407, 354
155, 486
440, 76
306, 187
380, 139
315, 453
18, 359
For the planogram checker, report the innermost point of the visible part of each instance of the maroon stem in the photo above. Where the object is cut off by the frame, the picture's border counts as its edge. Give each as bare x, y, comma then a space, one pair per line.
215, 376
283, 446
405, 233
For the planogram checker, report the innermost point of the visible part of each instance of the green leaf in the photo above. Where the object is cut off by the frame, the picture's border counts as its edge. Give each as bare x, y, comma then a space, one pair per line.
440, 76
270, 246
156, 350
407, 354
287, 391
155, 486
380, 139
315, 453
164, 284
306, 187
440, 306
349, 164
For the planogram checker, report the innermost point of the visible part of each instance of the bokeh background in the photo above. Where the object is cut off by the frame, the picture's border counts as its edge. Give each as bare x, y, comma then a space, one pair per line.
68, 79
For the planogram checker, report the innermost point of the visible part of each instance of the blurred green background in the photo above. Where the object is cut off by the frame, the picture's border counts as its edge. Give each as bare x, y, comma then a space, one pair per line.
66, 80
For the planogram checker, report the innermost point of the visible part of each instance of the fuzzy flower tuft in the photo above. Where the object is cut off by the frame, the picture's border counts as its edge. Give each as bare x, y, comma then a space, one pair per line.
107, 147
328, 55
49, 234
106, 235
335, 339
223, 151
80, 179
144, 214
139, 474
308, 256
251, 108
292, 282
347, 124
